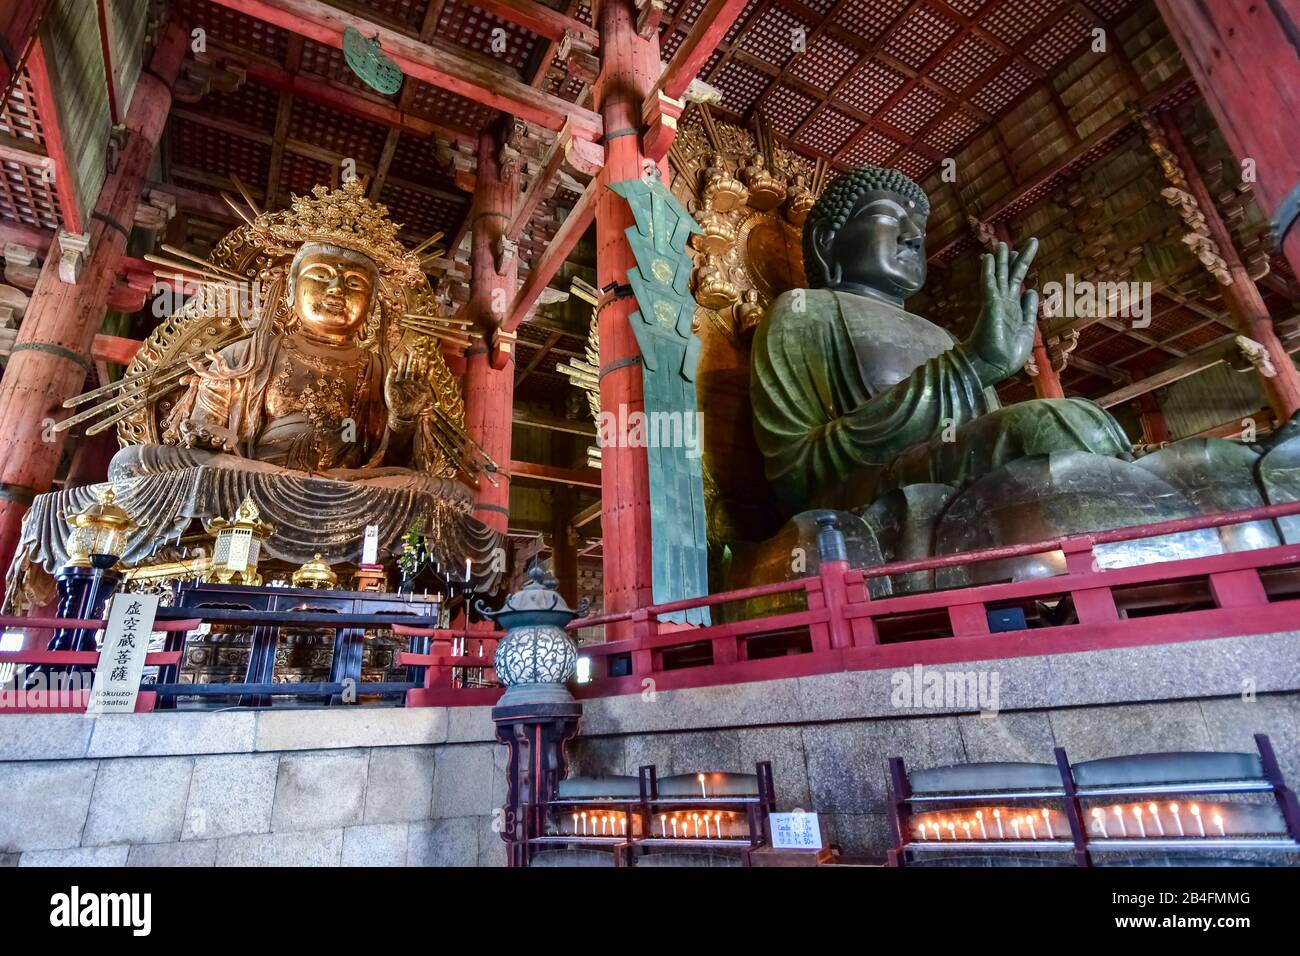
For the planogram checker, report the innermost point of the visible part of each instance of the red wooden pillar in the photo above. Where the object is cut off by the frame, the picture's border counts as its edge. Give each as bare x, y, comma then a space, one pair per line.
19, 21
1155, 430
51, 355
630, 69
489, 392
1245, 58
1241, 296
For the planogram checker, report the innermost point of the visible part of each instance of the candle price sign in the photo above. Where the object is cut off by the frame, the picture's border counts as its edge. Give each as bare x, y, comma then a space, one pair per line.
121, 658
795, 831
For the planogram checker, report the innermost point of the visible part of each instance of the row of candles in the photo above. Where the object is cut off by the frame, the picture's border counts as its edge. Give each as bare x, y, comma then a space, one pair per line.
1140, 820
688, 825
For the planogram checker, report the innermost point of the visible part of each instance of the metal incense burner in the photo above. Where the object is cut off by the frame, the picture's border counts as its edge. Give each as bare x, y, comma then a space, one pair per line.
536, 657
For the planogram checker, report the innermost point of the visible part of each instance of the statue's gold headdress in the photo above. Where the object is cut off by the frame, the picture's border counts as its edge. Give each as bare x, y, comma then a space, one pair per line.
340, 217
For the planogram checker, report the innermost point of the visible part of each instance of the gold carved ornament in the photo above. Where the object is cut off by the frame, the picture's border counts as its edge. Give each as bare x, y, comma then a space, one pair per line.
242, 284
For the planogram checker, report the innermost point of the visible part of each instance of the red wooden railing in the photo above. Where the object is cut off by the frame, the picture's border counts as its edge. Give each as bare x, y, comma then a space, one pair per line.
842, 628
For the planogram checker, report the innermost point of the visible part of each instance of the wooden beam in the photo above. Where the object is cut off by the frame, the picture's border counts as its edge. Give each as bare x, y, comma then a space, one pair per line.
542, 20
581, 156
106, 348
441, 64
708, 31
571, 426
19, 22
283, 114
544, 269
537, 359
65, 184
23, 235
576, 477
586, 515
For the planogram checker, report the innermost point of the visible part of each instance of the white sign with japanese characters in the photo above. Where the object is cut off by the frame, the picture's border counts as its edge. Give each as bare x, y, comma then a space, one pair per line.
795, 831
121, 658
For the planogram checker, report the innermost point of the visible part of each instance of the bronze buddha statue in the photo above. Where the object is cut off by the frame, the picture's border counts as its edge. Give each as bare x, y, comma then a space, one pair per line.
854, 396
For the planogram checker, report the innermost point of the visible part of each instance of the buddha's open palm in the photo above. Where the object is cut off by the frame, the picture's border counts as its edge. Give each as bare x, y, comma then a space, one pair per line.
408, 390
1004, 332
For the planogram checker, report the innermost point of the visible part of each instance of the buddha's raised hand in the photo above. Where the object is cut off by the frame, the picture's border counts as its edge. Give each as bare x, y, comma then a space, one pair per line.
1004, 331
408, 391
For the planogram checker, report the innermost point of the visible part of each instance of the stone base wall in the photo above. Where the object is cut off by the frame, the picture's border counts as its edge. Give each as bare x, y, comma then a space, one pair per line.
354, 786
332, 787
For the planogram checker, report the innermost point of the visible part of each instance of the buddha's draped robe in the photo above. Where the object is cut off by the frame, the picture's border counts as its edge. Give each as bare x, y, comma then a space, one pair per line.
853, 397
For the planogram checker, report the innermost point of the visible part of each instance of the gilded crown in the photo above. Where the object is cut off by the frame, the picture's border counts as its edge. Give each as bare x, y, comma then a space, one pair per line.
341, 217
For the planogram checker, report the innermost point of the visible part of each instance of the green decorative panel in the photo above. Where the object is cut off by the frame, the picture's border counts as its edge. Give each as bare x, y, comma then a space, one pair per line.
670, 354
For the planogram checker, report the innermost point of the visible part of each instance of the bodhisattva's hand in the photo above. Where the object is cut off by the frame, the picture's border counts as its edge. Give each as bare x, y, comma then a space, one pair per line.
1004, 332
407, 390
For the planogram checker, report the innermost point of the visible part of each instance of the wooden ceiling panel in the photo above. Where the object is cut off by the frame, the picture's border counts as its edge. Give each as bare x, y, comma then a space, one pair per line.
251, 105
770, 37
920, 36
345, 135
868, 21
218, 152
469, 26
234, 29
828, 59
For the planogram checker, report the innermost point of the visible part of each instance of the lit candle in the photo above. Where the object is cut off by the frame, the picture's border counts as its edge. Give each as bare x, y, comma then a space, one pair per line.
575, 823
584, 822
952, 829
1196, 812
966, 826
717, 824
1015, 825
997, 815
697, 826
1047, 822
938, 834
604, 820
674, 828
663, 825
707, 834
920, 831
1119, 816
1099, 819
1155, 815
1033, 833
979, 815
1137, 814
1173, 808
625, 824
703, 793
1218, 822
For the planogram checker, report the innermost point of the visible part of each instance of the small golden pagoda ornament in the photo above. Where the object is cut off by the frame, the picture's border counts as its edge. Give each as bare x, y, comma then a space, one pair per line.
316, 574
239, 542
99, 532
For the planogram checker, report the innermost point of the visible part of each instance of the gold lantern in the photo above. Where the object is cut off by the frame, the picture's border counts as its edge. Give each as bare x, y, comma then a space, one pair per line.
99, 532
239, 542
316, 574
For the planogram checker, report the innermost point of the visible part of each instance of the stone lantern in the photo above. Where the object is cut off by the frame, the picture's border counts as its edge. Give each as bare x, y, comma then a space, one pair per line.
536, 657
537, 715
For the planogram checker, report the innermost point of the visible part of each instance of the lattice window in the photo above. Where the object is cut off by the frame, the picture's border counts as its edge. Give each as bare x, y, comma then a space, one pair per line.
233, 28
409, 13
251, 105
920, 36
952, 132
918, 107
1003, 88
219, 153
826, 61
873, 147
471, 27
25, 196
1061, 39
871, 86
447, 107
298, 174
742, 85
786, 108
966, 61
20, 114
829, 131
668, 44
869, 20
337, 132
769, 35
1012, 22
914, 165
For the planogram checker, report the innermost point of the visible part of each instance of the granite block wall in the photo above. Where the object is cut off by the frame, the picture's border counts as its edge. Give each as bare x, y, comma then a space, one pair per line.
420, 787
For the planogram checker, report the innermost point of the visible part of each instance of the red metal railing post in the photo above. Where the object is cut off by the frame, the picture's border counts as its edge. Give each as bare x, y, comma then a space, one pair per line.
1094, 605
862, 629
645, 627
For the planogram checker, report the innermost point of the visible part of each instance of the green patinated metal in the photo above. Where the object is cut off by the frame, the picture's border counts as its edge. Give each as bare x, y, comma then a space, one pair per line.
370, 63
670, 354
